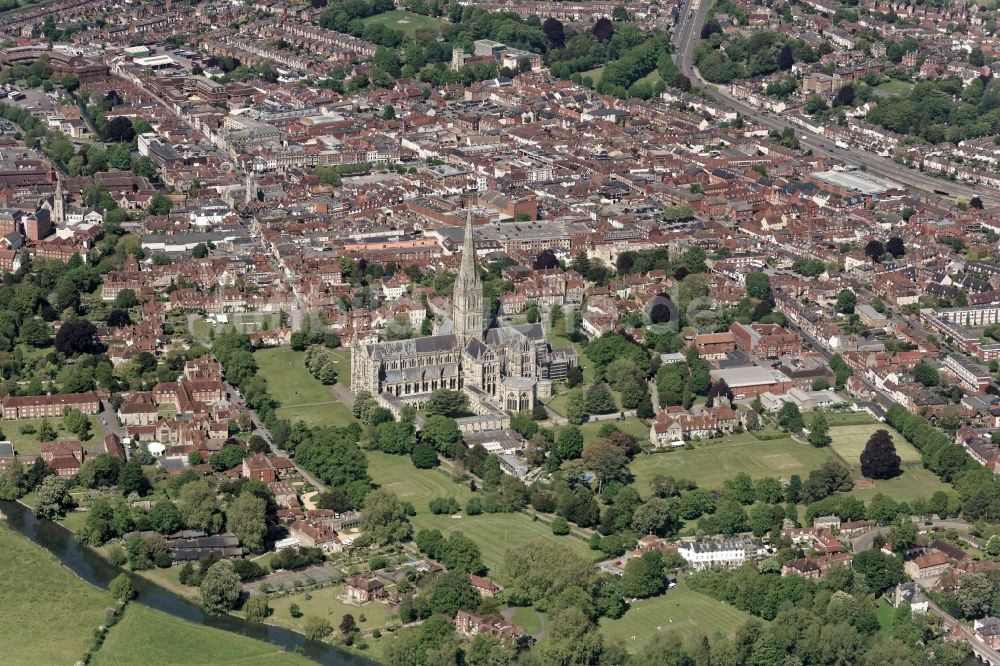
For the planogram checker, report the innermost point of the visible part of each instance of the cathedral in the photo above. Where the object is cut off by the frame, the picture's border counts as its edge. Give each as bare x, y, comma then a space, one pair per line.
503, 368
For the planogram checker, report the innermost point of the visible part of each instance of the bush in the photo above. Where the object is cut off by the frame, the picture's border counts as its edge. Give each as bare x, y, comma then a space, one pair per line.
559, 526
121, 588
295, 611
116, 556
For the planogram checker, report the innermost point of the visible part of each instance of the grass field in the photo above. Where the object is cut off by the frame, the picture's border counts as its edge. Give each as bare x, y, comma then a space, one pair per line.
49, 614
848, 443
148, 636
528, 619
633, 426
245, 322
594, 74
404, 21
301, 396
680, 609
419, 486
29, 444
712, 462
324, 603
493, 533
893, 88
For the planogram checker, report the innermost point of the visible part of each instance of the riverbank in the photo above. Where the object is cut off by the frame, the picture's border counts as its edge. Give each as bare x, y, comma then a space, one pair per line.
93, 573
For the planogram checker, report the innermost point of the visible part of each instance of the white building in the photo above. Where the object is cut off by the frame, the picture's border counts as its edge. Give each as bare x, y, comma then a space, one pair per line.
723, 553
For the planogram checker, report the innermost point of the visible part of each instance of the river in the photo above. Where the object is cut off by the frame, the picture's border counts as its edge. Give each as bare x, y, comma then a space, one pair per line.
91, 567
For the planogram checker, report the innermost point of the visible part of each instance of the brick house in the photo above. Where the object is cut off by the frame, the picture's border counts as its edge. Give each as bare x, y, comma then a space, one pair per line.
484, 586
360, 590
766, 340
927, 566
50, 406
470, 624
259, 467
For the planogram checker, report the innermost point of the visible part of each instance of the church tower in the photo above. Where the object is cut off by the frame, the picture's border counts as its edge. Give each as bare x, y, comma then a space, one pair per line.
58, 210
467, 300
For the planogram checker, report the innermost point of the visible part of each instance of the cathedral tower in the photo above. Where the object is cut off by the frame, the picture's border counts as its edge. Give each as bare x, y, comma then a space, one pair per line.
58, 204
467, 300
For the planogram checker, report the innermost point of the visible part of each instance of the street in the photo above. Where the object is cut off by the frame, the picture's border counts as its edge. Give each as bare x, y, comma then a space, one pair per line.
686, 36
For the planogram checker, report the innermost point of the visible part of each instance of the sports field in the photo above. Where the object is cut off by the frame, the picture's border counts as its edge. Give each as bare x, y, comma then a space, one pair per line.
849, 441
301, 396
403, 21
714, 461
419, 486
680, 609
49, 615
148, 636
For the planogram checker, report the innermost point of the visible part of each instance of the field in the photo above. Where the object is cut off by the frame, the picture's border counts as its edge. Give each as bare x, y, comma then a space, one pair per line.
324, 603
915, 481
632, 425
493, 533
49, 614
715, 461
30, 444
893, 88
151, 637
404, 21
679, 609
528, 619
301, 396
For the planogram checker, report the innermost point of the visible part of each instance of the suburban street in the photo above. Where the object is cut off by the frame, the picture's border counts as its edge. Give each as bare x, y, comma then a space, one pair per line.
686, 36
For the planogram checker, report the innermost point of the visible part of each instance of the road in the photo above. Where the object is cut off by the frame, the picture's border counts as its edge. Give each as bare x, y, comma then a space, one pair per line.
686, 37
233, 395
864, 542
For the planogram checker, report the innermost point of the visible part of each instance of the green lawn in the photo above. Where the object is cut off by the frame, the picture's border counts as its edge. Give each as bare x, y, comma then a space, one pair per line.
885, 614
243, 322
493, 533
915, 481
49, 614
301, 396
680, 609
849, 441
595, 74
29, 444
528, 619
632, 425
324, 603
496, 533
404, 21
893, 88
148, 636
419, 486
714, 461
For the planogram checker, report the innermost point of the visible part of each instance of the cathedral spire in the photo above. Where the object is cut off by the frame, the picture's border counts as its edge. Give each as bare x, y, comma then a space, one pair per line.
467, 300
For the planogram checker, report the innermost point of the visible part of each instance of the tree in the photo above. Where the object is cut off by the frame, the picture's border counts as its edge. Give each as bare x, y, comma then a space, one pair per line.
976, 594
165, 517
559, 526
317, 628
424, 456
925, 373
554, 32
881, 571
576, 406
815, 104
895, 247
605, 459
383, 518
247, 519
36, 333
257, 608
199, 504
879, 459
846, 301
53, 498
452, 593
571, 639
132, 479
874, 250
160, 205
644, 576
348, 625
76, 337
790, 418
569, 443
221, 588
603, 29
819, 431
845, 96
120, 129
447, 402
121, 588
758, 285
600, 400
12, 481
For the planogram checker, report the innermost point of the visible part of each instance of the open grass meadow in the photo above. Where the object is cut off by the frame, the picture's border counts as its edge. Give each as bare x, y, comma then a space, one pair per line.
406, 22
147, 636
680, 609
712, 462
302, 397
849, 441
418, 486
49, 615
